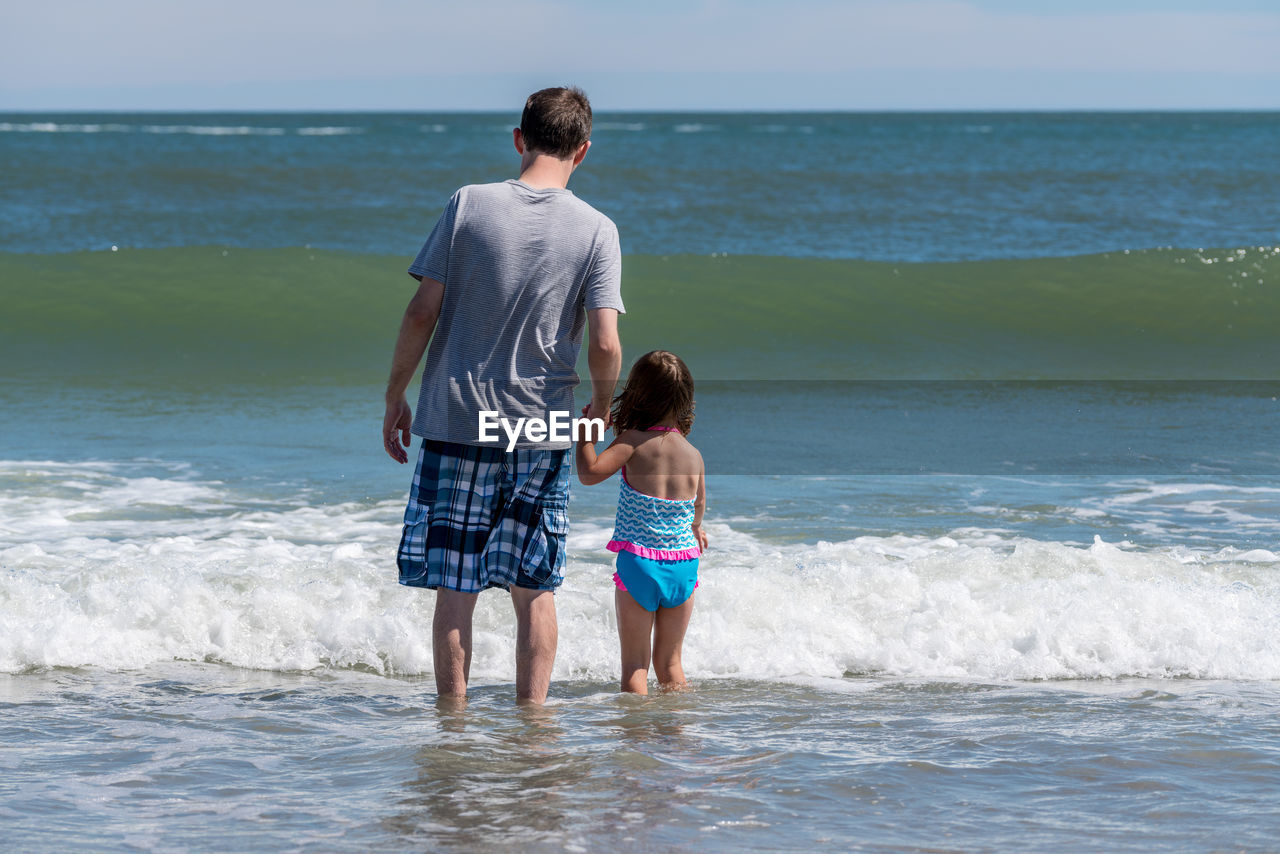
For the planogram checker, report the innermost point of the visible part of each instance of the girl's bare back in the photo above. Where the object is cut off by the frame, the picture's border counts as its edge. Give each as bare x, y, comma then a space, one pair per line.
663, 464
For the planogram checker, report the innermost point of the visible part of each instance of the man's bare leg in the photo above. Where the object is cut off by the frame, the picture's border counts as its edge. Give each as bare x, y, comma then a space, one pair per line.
451, 641
536, 637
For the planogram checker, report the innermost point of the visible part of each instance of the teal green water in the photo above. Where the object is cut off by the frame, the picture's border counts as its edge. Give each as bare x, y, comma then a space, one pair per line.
284, 316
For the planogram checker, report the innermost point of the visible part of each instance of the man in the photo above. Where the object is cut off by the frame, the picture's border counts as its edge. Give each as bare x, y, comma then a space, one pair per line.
507, 280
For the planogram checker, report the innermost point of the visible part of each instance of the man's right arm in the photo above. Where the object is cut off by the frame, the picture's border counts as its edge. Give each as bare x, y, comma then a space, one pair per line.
604, 358
416, 328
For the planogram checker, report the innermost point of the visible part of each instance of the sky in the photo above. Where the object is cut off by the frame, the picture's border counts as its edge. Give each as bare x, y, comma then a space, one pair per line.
86, 55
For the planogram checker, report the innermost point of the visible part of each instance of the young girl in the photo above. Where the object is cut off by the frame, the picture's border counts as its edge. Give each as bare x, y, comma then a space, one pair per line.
658, 532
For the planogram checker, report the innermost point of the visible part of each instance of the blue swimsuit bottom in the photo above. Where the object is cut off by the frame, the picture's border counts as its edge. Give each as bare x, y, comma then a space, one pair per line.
655, 583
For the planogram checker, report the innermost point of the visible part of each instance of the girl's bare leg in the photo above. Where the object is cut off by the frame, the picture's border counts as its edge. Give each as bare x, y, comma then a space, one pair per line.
635, 624
669, 627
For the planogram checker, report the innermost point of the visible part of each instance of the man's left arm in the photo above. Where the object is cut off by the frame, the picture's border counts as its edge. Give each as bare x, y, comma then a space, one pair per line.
604, 360
416, 328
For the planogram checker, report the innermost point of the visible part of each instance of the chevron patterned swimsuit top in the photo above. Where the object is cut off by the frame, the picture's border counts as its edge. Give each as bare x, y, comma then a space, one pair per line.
652, 527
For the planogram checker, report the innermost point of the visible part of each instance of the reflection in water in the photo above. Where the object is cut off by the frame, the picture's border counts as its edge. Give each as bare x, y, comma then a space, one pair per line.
557, 775
657, 723
491, 773
728, 766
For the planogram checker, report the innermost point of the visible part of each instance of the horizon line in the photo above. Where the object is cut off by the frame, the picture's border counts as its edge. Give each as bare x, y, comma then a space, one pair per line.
637, 110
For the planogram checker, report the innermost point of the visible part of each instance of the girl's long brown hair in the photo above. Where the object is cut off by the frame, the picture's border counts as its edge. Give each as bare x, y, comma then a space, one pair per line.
659, 384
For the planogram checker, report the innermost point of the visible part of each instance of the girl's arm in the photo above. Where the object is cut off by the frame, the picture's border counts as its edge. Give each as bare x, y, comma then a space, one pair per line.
592, 468
700, 507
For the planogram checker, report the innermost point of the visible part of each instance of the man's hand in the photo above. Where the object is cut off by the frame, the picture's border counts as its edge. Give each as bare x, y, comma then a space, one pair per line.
416, 329
398, 419
591, 410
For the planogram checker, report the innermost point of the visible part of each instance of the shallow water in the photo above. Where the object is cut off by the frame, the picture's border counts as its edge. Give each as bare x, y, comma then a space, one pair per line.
352, 762
200, 628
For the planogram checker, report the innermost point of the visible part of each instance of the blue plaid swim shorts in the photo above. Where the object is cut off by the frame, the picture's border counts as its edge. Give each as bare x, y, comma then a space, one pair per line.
480, 516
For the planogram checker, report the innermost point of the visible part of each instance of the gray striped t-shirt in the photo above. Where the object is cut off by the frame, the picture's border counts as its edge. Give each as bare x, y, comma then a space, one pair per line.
520, 267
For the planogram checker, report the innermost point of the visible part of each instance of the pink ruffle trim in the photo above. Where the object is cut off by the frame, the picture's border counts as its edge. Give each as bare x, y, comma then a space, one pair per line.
617, 582
653, 554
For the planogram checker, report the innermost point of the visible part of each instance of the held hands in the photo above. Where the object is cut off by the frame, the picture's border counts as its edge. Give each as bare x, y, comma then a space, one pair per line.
589, 411
398, 418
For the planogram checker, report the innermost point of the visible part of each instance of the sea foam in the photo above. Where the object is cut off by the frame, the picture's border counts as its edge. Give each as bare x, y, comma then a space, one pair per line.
107, 567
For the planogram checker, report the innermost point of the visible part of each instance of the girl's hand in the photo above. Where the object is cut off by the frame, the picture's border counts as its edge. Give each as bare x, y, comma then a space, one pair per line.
585, 439
701, 536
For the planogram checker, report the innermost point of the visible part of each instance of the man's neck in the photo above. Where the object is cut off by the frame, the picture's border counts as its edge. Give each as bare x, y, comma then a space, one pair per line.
543, 172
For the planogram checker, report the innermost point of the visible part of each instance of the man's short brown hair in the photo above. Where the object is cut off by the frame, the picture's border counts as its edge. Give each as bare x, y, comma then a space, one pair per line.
556, 121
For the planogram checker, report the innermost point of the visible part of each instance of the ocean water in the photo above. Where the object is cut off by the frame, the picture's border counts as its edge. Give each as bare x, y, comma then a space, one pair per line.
989, 406
889, 187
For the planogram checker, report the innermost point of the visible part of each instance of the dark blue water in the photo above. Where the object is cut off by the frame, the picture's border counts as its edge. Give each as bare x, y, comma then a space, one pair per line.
873, 186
